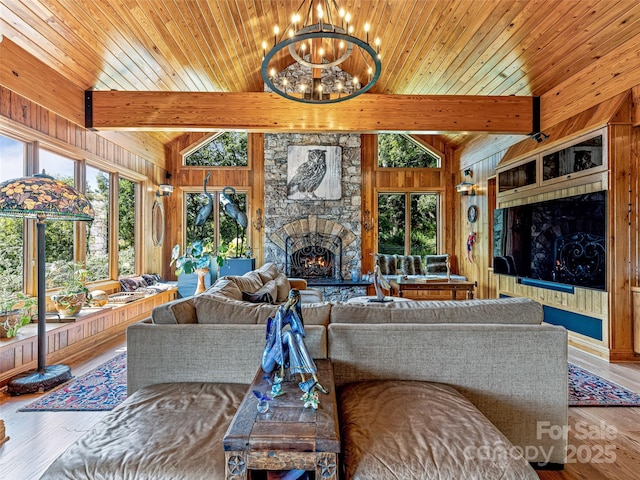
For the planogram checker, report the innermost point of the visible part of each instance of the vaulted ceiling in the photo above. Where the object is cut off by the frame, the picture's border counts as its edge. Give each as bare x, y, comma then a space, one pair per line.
456, 47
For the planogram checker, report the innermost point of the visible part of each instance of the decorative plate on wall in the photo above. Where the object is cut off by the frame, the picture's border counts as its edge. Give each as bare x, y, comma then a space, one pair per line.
472, 213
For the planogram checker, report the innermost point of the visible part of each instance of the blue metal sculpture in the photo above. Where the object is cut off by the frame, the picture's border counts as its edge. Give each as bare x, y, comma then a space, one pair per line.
207, 208
233, 210
285, 347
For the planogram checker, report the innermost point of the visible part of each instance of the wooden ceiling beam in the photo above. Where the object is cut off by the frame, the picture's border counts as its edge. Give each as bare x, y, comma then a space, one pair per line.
267, 112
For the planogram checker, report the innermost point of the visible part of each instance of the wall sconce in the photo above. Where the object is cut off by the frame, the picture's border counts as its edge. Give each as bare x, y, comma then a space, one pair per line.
164, 190
465, 187
258, 222
367, 221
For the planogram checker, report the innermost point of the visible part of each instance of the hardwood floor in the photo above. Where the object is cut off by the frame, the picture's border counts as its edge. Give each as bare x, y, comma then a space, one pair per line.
37, 438
613, 452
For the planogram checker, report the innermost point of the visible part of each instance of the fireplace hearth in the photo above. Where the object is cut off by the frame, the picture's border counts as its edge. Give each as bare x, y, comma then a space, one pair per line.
314, 256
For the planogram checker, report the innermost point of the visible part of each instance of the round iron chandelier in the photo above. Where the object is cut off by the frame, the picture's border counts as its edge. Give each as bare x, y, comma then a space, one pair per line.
323, 51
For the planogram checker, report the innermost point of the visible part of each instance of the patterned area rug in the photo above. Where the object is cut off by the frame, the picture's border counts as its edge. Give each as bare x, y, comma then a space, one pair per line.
105, 387
101, 389
587, 389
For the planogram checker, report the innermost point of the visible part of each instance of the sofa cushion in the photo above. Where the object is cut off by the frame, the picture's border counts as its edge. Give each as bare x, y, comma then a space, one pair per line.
217, 309
226, 288
408, 429
170, 430
249, 282
268, 293
267, 272
178, 311
317, 313
283, 288
387, 264
501, 310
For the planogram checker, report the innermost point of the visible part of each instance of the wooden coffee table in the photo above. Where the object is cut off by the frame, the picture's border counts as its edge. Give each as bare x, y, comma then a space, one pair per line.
288, 436
453, 286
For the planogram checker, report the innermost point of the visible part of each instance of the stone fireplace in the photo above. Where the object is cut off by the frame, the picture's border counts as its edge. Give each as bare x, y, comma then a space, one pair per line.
314, 256
302, 225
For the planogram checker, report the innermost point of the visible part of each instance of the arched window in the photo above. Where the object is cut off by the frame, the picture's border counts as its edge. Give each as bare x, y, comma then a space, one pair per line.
228, 149
397, 150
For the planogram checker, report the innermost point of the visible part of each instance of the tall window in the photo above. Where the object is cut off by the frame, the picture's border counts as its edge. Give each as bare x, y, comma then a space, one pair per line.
228, 149
408, 231
407, 221
12, 160
397, 150
126, 226
97, 191
59, 238
220, 229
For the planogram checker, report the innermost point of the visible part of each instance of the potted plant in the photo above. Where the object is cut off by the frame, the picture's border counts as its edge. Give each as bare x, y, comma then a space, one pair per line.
195, 259
73, 294
15, 312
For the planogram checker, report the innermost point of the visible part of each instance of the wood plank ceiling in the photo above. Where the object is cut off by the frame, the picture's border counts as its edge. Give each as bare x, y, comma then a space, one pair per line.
458, 47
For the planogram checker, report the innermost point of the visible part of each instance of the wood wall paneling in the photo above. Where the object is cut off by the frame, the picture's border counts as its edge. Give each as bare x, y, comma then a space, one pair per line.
249, 179
614, 307
31, 121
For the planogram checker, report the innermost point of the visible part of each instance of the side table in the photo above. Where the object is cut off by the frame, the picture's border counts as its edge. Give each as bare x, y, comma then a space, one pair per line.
287, 436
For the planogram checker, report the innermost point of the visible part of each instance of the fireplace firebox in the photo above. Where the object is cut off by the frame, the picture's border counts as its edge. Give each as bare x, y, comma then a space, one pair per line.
314, 256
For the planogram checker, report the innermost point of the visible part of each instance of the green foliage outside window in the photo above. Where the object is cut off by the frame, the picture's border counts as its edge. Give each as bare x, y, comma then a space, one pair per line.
391, 224
397, 150
206, 232
126, 226
423, 228
424, 224
11, 253
228, 149
400, 151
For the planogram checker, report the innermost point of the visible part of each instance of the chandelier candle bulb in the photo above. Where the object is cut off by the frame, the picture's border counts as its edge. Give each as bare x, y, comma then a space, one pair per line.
366, 29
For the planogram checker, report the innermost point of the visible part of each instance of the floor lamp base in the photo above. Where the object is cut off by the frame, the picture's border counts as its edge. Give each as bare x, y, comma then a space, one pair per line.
39, 381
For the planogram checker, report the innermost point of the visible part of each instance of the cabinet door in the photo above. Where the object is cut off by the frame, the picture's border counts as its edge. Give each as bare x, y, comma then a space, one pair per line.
520, 176
585, 156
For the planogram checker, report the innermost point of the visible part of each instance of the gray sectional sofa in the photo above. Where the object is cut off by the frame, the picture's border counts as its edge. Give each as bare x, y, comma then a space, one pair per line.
443, 390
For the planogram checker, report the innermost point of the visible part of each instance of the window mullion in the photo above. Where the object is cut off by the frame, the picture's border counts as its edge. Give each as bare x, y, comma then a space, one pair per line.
407, 223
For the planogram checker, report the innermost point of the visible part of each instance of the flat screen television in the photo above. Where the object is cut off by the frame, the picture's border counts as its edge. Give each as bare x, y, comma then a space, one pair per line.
561, 241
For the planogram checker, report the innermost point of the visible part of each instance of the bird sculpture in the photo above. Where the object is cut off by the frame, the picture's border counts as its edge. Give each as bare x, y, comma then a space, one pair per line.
379, 282
207, 208
233, 210
309, 174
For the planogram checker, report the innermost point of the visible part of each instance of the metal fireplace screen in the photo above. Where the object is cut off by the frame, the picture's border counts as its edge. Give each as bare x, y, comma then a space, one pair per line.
580, 259
314, 255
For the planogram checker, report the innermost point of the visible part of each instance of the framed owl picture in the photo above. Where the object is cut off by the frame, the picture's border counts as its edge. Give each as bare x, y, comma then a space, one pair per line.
314, 172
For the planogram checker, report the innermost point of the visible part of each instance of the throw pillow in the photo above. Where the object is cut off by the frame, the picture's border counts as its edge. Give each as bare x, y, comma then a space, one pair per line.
267, 272
131, 284
227, 288
267, 294
436, 263
151, 278
249, 282
387, 264
405, 262
283, 286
